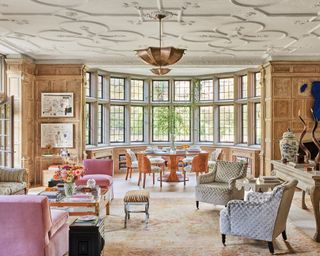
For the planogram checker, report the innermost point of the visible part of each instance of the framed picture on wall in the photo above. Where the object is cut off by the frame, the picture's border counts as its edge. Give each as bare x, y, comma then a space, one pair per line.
57, 104
57, 135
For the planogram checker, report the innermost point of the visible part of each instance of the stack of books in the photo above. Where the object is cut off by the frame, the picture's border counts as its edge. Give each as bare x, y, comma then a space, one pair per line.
81, 197
52, 195
269, 179
87, 220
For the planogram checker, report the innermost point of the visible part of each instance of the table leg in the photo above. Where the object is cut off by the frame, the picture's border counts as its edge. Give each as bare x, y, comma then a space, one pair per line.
315, 198
173, 168
303, 203
108, 208
96, 209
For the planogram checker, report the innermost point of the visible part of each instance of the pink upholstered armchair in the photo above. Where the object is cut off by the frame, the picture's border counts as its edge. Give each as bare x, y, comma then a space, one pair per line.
101, 170
29, 228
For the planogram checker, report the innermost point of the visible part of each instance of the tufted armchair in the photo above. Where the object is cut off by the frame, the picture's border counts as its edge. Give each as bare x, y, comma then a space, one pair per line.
219, 186
263, 216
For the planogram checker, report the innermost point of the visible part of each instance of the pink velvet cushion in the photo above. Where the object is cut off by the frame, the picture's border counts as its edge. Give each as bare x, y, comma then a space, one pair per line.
98, 166
102, 180
59, 218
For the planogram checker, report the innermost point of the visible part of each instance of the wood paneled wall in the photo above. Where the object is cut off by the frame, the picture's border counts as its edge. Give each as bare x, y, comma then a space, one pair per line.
283, 99
26, 81
20, 83
59, 78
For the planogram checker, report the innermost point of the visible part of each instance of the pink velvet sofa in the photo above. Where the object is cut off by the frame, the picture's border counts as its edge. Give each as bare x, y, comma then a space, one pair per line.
101, 170
29, 228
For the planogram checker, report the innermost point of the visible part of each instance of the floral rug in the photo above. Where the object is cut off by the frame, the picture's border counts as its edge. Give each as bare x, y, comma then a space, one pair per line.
177, 228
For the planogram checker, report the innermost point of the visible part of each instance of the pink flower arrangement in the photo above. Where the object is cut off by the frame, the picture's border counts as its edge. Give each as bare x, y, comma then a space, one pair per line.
69, 173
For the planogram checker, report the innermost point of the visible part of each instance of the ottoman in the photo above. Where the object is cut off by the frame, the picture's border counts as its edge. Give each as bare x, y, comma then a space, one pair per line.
136, 197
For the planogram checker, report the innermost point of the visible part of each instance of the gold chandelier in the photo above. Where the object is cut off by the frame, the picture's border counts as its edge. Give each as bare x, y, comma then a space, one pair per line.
160, 56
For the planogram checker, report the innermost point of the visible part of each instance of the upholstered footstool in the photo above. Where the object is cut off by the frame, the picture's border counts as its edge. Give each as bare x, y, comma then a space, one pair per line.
136, 197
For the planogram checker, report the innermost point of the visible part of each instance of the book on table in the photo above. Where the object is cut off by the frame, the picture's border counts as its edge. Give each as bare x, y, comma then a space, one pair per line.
269, 179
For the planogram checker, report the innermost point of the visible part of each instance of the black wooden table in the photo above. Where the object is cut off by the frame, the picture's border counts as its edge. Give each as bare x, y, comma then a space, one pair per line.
86, 239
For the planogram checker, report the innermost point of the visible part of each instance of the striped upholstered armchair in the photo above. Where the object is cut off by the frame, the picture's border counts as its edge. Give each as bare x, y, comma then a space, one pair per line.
13, 181
219, 186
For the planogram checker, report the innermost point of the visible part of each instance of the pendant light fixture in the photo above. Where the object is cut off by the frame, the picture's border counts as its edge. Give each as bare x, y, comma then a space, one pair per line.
160, 56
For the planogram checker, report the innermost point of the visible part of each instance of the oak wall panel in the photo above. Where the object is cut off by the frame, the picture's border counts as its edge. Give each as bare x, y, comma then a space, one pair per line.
284, 79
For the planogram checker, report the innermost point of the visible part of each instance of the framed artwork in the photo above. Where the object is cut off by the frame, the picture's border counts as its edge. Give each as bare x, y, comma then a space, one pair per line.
56, 104
57, 135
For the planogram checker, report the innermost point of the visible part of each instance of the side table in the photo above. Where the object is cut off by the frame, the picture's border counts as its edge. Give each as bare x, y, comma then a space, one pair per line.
256, 185
86, 239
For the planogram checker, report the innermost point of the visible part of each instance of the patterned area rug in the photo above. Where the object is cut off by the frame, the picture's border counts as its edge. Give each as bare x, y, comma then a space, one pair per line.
177, 228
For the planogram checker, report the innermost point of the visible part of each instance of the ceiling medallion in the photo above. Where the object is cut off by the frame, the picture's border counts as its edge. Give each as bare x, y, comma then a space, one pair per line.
160, 56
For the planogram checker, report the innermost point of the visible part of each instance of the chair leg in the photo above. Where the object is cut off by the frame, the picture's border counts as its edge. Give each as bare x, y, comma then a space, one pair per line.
161, 179
139, 179
270, 245
197, 204
144, 180
153, 178
130, 172
127, 173
125, 216
184, 178
284, 235
223, 239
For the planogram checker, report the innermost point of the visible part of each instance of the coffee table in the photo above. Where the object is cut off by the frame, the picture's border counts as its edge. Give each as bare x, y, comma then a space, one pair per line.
75, 206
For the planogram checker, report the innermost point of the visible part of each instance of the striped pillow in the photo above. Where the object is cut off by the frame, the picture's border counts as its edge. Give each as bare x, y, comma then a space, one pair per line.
11, 174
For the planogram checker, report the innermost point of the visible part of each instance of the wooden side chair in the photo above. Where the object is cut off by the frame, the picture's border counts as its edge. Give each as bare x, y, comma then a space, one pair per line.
131, 162
199, 165
145, 167
215, 156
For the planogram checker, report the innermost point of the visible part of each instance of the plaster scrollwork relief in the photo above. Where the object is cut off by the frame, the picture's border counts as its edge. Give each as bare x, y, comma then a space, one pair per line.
58, 35
84, 27
61, 3
235, 29
121, 36
227, 43
202, 36
255, 3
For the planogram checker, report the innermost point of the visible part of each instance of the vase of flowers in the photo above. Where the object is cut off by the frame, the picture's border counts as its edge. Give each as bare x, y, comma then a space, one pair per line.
69, 174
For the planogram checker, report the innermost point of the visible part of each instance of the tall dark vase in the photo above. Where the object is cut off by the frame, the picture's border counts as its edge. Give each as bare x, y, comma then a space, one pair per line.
302, 146
315, 141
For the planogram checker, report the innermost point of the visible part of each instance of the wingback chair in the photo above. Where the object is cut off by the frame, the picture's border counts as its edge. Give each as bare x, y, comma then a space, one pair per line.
29, 228
219, 186
263, 216
101, 170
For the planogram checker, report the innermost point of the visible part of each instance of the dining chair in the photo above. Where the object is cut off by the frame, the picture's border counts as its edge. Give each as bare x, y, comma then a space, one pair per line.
215, 155
199, 165
131, 162
145, 167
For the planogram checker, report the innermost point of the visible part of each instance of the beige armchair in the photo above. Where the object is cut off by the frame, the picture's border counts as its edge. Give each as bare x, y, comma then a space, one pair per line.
218, 187
263, 216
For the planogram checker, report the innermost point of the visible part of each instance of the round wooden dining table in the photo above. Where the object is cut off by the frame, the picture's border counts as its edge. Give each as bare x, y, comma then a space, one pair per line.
173, 160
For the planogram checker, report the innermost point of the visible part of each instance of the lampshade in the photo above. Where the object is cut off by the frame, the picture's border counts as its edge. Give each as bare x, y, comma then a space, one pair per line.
160, 71
157, 56
160, 56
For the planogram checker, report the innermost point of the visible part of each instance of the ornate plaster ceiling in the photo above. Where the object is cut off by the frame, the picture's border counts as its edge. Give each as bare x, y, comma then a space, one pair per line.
216, 33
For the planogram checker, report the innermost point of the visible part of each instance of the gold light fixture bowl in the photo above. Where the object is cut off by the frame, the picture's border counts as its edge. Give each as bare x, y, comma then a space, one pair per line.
160, 71
157, 56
